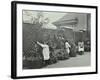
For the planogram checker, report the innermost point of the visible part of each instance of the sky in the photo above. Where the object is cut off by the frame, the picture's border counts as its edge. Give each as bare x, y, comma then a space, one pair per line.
53, 16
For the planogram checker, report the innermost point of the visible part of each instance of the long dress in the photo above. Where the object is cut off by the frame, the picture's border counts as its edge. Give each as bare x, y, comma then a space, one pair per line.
67, 46
45, 51
81, 48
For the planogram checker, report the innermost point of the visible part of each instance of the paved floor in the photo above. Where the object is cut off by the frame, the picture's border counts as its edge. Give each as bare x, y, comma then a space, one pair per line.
80, 60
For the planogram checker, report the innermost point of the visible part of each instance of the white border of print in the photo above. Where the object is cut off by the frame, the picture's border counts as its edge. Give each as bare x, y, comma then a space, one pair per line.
35, 72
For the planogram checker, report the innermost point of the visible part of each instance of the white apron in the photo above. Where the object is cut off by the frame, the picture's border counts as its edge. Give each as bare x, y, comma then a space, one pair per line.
67, 46
45, 51
68, 51
81, 46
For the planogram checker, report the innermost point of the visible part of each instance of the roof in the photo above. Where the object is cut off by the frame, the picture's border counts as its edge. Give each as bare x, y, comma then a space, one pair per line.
68, 19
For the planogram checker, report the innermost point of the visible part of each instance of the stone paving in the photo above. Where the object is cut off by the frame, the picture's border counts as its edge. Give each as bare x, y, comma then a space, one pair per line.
78, 61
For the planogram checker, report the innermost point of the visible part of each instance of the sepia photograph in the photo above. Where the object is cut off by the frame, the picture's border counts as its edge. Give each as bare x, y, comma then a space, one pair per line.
53, 40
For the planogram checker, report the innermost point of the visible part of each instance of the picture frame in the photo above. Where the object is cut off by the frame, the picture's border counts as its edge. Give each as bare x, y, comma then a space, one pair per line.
19, 12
